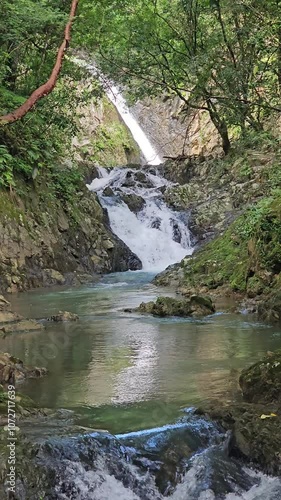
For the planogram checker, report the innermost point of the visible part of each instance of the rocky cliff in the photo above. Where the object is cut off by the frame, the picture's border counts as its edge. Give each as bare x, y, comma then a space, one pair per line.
52, 229
174, 132
234, 206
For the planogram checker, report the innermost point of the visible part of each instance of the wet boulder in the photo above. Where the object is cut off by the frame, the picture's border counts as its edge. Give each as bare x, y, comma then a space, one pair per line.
64, 316
142, 179
261, 382
254, 432
201, 305
168, 306
108, 191
156, 223
176, 230
134, 202
129, 179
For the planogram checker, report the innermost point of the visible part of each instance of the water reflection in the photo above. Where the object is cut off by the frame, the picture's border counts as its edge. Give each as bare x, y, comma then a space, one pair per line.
111, 358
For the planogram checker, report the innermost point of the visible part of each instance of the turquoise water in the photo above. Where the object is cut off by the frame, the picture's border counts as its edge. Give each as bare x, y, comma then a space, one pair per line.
124, 372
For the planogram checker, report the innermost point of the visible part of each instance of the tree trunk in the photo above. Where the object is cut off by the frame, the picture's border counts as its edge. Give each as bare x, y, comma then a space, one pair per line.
47, 87
220, 126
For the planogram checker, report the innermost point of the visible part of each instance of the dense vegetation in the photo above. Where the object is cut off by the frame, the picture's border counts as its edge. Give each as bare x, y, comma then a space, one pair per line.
218, 55
30, 34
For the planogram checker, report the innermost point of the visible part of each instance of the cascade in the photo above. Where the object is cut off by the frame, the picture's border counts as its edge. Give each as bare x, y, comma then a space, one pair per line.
115, 96
148, 151
138, 214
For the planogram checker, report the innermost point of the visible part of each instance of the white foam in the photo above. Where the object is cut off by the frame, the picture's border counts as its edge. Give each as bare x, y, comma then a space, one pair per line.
268, 488
138, 134
155, 246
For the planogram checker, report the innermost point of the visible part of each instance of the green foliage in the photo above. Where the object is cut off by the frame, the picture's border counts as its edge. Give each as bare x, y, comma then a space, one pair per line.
6, 167
246, 255
221, 56
248, 224
65, 182
246, 171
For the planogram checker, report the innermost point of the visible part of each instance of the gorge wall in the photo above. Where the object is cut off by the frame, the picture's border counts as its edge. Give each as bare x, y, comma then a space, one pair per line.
52, 229
175, 133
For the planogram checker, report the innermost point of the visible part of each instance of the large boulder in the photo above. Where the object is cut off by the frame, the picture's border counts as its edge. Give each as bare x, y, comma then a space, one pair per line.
261, 382
167, 306
255, 432
134, 202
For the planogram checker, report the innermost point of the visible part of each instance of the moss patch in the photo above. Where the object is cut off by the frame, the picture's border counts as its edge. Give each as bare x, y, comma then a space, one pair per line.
247, 257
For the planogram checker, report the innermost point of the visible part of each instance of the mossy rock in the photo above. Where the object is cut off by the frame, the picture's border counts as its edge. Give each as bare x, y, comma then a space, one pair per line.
270, 309
261, 382
254, 439
168, 306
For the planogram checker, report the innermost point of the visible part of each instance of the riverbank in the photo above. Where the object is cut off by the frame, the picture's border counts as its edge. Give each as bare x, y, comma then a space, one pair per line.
255, 424
235, 216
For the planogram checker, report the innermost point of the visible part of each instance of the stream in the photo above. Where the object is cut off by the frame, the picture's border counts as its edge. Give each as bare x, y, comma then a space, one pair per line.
135, 379
122, 387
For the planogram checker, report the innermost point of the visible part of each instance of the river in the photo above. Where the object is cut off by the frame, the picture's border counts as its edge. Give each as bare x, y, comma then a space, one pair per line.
121, 392
126, 373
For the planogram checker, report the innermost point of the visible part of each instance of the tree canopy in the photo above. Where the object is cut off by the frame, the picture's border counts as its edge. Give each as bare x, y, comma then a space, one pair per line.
218, 55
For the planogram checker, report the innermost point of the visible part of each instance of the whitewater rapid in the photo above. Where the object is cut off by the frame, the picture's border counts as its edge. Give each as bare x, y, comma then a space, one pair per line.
158, 235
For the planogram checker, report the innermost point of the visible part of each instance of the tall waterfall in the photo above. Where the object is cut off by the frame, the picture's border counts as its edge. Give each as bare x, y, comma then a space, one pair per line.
115, 96
138, 134
139, 215
134, 198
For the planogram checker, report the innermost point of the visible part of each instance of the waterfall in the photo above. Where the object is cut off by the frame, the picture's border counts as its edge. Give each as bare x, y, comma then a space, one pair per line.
134, 198
115, 96
148, 151
138, 214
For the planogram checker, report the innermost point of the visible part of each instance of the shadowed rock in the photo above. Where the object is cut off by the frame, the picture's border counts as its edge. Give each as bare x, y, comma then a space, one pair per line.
134, 202
13, 370
168, 306
261, 382
255, 425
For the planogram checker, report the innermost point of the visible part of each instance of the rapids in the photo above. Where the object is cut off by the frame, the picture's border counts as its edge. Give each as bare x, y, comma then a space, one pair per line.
158, 235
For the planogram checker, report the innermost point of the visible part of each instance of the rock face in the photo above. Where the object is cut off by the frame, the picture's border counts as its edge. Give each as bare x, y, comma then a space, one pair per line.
167, 306
12, 370
163, 120
52, 242
235, 218
261, 383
